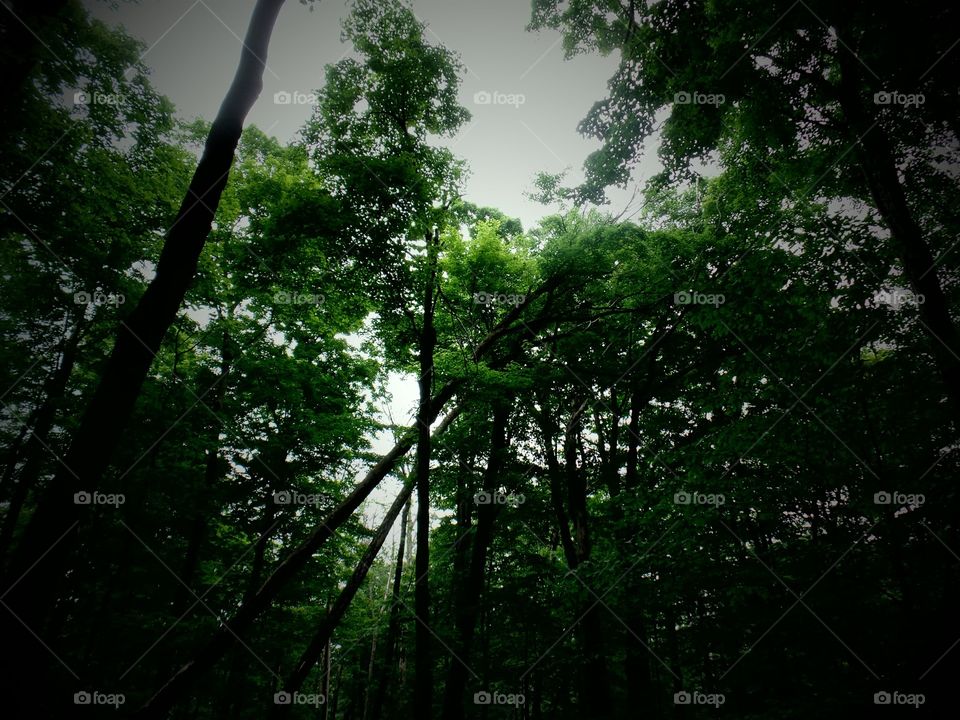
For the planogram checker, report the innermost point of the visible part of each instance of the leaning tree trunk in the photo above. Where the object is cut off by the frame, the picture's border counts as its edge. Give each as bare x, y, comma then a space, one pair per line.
138, 340
313, 652
180, 684
879, 166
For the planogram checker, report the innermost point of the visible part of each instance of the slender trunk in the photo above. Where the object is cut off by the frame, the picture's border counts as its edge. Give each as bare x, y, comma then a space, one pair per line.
879, 166
369, 684
423, 682
211, 474
35, 448
594, 679
555, 474
223, 639
470, 589
138, 340
637, 666
320, 639
386, 665
336, 691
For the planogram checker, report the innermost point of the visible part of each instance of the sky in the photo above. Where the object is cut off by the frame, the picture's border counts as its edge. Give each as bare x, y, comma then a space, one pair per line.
525, 97
536, 97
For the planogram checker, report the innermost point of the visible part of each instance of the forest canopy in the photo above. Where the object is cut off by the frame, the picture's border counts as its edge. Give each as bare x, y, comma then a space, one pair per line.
695, 461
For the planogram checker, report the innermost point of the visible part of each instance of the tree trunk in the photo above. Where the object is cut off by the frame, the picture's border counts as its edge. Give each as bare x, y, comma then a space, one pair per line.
386, 665
595, 695
223, 639
423, 680
211, 474
179, 685
138, 340
879, 166
35, 447
320, 639
470, 590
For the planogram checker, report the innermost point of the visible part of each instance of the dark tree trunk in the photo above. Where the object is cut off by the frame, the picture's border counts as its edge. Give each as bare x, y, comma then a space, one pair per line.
423, 681
595, 693
211, 474
555, 474
179, 686
138, 340
469, 592
879, 166
36, 445
320, 639
386, 665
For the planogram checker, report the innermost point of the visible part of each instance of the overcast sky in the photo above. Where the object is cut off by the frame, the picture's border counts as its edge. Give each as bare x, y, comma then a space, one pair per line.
193, 47
192, 52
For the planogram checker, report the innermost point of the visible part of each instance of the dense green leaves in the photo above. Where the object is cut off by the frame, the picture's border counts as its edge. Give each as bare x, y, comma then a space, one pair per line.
708, 454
